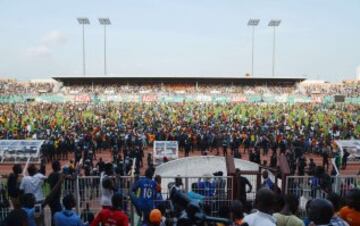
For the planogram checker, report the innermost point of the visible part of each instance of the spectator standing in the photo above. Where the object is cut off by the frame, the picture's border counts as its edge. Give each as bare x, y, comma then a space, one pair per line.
320, 212
237, 214
267, 183
351, 212
68, 217
264, 202
345, 159
143, 195
16, 217
335, 200
33, 183
13, 184
156, 218
28, 204
240, 185
106, 186
113, 216
87, 215
53, 179
286, 217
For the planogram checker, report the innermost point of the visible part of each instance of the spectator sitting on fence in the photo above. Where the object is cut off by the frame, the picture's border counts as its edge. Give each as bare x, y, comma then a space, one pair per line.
68, 217
335, 200
264, 202
320, 212
286, 217
194, 194
28, 204
351, 212
113, 216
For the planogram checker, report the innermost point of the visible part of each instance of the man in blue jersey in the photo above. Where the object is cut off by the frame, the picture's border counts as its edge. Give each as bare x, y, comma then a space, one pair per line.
143, 195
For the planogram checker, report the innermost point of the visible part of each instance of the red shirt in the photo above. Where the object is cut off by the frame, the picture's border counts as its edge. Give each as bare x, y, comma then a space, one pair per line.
111, 217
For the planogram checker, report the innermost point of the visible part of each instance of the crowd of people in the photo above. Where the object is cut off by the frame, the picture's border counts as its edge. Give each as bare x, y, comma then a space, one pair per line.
13, 87
127, 129
78, 133
10, 87
270, 206
348, 89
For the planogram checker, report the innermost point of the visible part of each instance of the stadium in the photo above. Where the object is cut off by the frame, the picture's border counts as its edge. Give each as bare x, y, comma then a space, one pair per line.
179, 149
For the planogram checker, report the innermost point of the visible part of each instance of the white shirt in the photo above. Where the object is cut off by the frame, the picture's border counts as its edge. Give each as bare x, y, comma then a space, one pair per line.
260, 219
33, 185
106, 194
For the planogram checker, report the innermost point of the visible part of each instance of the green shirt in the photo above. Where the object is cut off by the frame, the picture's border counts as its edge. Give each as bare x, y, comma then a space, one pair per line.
287, 220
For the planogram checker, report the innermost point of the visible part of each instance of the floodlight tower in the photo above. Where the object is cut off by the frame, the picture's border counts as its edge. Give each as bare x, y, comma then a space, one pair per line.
83, 21
253, 23
274, 24
105, 22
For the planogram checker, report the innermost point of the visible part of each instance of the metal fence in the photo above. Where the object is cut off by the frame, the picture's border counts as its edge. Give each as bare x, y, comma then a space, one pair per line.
309, 187
216, 192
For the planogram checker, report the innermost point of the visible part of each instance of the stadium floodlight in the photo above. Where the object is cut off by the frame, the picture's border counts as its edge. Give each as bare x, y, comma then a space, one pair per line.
105, 22
83, 21
253, 23
274, 24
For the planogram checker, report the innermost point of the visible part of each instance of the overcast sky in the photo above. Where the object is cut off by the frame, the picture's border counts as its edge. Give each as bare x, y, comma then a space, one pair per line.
316, 38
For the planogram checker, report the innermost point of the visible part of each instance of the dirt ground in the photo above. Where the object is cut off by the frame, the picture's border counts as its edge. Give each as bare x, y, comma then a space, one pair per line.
352, 168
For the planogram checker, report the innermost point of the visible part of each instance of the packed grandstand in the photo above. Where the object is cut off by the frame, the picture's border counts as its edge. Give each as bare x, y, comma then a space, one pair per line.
10, 87
99, 138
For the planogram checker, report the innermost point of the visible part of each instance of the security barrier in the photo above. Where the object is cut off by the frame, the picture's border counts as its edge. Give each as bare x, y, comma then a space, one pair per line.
310, 187
216, 192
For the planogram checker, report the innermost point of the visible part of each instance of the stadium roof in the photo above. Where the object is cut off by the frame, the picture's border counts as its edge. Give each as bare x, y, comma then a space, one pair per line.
72, 79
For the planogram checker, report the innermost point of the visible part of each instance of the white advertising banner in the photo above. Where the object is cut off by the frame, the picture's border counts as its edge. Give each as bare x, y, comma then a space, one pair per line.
165, 149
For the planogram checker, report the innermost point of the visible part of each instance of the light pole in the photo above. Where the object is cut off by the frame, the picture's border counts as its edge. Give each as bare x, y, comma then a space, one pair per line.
104, 21
274, 24
253, 23
83, 21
